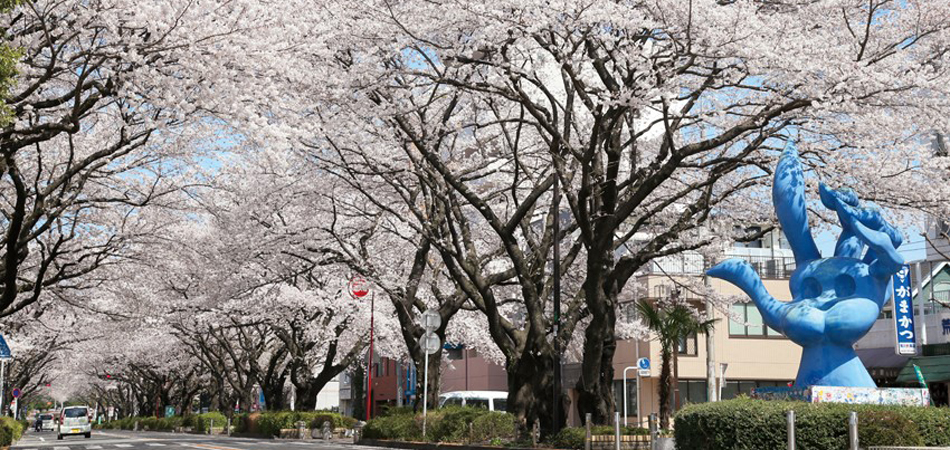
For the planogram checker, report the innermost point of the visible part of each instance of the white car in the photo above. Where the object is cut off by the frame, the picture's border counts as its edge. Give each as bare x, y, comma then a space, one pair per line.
490, 400
74, 420
48, 424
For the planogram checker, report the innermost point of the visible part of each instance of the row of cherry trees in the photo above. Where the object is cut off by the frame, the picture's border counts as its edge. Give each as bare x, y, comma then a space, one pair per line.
188, 186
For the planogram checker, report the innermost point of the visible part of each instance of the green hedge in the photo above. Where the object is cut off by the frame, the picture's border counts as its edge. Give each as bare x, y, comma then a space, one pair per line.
573, 437
449, 424
270, 423
206, 420
151, 423
10, 431
746, 424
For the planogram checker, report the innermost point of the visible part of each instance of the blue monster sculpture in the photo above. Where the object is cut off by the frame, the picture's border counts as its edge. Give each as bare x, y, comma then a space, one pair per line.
835, 300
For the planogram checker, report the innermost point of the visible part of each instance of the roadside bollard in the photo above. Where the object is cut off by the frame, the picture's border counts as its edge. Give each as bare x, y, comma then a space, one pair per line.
229, 426
211, 426
653, 430
791, 429
853, 430
616, 431
587, 426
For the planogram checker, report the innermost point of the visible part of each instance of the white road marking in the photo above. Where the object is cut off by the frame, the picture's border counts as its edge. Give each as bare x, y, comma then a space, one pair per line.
124, 445
42, 439
154, 444
60, 448
93, 447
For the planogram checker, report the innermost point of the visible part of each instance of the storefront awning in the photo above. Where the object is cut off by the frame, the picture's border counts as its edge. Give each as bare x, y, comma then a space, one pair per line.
936, 369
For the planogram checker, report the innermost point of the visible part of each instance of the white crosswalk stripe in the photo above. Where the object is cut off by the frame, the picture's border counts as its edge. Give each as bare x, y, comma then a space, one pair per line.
93, 447
154, 444
124, 445
60, 448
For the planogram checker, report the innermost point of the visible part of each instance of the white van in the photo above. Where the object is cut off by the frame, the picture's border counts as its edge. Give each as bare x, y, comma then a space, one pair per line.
490, 400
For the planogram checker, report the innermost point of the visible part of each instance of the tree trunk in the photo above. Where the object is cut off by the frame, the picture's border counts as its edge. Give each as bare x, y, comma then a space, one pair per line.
664, 387
595, 386
274, 394
676, 377
530, 387
356, 387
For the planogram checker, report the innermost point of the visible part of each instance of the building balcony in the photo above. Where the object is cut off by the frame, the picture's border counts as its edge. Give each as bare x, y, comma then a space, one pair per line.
768, 266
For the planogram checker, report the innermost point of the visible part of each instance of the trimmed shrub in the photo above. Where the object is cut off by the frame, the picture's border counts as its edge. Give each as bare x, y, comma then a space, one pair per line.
270, 423
493, 425
744, 423
403, 427
204, 421
449, 424
10, 431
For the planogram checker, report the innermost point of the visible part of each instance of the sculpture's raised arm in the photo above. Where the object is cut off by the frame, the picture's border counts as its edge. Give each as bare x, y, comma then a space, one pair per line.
788, 195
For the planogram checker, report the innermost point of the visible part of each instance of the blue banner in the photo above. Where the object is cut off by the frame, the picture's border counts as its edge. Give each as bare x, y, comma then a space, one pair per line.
4, 349
410, 380
904, 313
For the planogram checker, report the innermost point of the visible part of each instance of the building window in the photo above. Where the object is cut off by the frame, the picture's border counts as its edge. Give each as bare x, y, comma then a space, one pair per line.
751, 324
692, 391
631, 396
688, 346
942, 291
757, 243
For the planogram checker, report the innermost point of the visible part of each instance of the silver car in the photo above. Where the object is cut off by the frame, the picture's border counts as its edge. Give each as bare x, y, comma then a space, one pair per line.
74, 420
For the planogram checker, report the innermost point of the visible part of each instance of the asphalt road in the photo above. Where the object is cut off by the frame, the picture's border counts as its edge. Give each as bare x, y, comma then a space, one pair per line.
128, 440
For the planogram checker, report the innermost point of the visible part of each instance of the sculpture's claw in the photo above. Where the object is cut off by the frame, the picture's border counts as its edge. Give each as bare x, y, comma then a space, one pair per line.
740, 273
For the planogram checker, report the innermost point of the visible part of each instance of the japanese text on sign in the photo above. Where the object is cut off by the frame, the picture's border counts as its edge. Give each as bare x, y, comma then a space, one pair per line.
904, 313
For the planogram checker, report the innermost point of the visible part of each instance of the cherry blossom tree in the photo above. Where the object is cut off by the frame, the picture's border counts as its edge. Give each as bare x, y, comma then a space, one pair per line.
659, 120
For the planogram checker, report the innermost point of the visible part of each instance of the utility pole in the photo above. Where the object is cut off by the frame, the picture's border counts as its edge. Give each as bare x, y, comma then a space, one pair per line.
711, 390
557, 303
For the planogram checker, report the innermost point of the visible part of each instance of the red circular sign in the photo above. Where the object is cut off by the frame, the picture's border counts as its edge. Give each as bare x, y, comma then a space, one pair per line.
358, 287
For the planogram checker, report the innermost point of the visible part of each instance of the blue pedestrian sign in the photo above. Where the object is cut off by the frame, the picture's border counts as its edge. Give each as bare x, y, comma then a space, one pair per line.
904, 313
4, 349
643, 364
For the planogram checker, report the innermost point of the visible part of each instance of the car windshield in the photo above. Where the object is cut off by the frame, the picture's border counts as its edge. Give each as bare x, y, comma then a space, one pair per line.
75, 412
46, 416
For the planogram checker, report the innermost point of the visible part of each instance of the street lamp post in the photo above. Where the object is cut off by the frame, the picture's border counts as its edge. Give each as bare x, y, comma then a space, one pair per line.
359, 290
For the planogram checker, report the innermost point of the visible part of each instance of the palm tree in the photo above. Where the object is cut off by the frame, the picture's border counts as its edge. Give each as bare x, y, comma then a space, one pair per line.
671, 325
